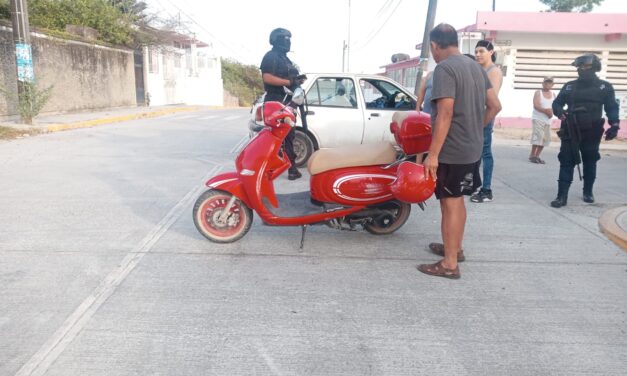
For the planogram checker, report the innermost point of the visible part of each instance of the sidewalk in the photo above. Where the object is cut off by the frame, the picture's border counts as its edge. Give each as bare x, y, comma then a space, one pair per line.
60, 122
521, 136
613, 222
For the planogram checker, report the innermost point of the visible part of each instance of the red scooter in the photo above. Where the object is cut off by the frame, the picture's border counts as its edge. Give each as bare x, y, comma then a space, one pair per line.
366, 185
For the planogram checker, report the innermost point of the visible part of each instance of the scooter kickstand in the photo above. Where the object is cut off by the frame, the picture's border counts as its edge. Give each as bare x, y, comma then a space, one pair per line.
302, 237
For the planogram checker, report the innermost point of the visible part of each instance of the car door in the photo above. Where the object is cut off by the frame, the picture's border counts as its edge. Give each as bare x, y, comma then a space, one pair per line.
334, 115
382, 98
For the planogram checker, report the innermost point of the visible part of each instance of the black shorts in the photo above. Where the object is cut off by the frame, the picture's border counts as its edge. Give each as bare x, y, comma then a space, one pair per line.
456, 180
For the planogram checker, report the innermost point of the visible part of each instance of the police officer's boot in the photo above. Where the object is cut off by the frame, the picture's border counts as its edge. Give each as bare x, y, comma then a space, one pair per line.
587, 192
293, 173
562, 195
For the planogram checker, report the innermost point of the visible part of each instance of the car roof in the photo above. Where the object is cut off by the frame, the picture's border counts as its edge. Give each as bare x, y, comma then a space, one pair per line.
348, 74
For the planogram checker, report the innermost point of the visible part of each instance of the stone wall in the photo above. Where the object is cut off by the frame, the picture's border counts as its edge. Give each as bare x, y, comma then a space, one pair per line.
84, 76
230, 100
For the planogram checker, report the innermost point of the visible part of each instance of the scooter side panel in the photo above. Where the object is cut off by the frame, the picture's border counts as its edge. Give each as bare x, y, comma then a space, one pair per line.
354, 185
258, 163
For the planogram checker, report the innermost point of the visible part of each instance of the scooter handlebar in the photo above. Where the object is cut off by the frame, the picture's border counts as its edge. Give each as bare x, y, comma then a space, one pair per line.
289, 122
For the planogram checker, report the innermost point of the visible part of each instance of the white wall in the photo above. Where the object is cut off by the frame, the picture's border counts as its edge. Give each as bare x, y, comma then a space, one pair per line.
519, 102
197, 80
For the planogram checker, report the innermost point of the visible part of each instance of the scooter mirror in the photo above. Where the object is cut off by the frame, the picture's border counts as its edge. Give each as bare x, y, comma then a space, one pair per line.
299, 96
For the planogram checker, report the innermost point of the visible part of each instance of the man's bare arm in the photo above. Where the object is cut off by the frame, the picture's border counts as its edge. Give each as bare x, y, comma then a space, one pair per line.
421, 94
493, 106
496, 79
271, 79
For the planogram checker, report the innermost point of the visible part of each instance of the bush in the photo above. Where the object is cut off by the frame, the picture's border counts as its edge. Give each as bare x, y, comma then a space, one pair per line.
4, 10
112, 25
30, 101
243, 81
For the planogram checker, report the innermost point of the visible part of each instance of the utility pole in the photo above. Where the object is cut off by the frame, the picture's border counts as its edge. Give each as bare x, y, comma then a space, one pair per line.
424, 50
493, 5
23, 52
348, 43
343, 56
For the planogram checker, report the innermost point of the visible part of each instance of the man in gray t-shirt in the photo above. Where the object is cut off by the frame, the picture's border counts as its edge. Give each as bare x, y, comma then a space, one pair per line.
462, 79
463, 102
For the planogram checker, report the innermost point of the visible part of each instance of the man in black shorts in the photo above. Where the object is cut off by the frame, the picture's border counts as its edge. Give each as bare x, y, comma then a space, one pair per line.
463, 102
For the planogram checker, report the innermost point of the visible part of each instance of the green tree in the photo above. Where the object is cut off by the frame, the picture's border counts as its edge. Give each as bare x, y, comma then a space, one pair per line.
112, 25
4, 10
135, 9
571, 5
242, 81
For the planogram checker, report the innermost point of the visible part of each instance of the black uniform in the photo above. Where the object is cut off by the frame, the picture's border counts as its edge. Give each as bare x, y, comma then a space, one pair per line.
585, 98
278, 64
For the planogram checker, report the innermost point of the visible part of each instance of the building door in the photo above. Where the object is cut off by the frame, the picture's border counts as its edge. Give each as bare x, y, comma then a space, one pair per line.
140, 92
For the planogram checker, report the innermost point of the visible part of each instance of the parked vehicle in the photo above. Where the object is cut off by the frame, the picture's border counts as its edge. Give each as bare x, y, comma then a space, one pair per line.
345, 109
362, 185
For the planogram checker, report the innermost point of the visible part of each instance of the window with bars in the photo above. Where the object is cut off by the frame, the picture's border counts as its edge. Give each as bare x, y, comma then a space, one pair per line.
409, 78
617, 70
531, 66
153, 61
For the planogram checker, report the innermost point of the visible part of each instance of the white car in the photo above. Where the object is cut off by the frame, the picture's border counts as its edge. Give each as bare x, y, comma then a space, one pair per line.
345, 109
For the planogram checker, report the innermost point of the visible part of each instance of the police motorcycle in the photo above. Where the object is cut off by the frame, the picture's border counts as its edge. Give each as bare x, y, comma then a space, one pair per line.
363, 185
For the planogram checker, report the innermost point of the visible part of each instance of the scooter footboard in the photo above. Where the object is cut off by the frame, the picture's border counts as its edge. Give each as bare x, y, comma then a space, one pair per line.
229, 182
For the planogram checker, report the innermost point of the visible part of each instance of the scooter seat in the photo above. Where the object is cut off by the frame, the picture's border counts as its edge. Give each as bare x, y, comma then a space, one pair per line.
351, 156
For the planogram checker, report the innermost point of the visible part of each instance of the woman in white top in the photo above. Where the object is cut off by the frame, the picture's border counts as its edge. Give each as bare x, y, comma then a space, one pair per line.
541, 118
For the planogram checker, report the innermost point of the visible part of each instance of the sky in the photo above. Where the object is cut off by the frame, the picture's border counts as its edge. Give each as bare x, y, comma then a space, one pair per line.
239, 29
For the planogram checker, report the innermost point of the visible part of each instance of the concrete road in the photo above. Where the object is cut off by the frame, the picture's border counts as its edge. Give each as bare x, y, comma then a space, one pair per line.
103, 273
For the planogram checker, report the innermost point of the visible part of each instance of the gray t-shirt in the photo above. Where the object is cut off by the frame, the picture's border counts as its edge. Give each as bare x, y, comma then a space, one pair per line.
462, 79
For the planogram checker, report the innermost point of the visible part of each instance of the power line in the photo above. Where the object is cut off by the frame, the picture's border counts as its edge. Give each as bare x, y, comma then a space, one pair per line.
384, 8
209, 33
371, 37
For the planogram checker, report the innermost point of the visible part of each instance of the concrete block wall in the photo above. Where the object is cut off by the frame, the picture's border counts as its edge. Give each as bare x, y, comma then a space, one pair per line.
84, 76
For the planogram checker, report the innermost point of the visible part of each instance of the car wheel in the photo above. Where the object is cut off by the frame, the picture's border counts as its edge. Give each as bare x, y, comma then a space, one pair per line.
303, 148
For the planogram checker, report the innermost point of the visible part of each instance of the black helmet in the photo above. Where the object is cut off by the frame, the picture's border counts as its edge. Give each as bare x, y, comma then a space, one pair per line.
278, 34
588, 59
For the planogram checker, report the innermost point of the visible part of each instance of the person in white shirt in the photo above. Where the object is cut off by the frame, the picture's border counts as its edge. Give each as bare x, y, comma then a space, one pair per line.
541, 118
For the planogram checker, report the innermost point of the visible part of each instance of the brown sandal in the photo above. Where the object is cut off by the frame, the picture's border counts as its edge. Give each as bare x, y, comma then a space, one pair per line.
438, 270
438, 249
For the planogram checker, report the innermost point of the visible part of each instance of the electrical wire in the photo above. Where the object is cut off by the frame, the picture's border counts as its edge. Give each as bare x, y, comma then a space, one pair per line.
236, 54
380, 14
357, 47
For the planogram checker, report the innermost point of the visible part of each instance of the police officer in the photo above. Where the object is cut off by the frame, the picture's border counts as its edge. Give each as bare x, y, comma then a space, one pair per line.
582, 125
278, 71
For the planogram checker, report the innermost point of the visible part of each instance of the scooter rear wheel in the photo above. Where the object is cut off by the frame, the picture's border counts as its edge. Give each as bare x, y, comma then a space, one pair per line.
208, 210
394, 215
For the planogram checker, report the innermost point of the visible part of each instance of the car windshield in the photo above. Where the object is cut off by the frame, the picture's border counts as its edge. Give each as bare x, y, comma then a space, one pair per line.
384, 95
383, 87
332, 92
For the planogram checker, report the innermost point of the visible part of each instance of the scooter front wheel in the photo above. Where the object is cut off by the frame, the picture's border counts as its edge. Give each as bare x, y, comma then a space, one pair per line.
213, 224
393, 216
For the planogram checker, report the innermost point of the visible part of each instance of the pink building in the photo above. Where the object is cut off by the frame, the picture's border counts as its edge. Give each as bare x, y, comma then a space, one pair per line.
533, 45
